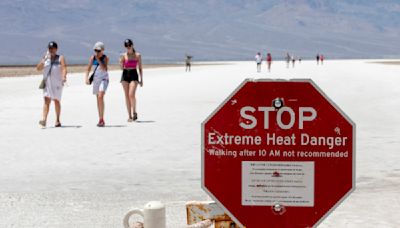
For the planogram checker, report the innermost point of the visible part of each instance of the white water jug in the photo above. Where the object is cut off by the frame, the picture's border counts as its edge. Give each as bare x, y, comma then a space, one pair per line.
153, 215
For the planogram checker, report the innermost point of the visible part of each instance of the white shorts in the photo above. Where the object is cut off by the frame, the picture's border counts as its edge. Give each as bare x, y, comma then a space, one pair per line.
100, 85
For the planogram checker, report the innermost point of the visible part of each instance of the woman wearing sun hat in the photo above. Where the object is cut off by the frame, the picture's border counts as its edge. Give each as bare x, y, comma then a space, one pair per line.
99, 78
54, 76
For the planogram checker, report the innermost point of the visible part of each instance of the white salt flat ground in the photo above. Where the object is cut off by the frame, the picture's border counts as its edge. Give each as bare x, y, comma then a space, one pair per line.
83, 176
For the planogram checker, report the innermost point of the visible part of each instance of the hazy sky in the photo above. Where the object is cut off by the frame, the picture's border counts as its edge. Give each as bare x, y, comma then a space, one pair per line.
209, 30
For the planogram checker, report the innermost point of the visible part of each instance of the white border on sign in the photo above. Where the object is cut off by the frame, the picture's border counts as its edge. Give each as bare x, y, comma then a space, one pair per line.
279, 80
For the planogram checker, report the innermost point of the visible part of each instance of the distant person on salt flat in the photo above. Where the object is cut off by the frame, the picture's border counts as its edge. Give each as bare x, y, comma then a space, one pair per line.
288, 58
188, 62
269, 61
317, 58
130, 63
322, 59
99, 78
54, 76
258, 59
293, 60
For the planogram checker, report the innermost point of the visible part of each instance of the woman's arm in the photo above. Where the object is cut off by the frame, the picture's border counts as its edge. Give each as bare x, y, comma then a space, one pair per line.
121, 61
40, 65
63, 68
140, 69
89, 68
105, 65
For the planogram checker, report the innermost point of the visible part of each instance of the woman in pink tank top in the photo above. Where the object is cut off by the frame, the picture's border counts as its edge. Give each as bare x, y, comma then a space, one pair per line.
130, 63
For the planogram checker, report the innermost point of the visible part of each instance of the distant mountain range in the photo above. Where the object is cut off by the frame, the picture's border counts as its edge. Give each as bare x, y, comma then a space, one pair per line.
163, 31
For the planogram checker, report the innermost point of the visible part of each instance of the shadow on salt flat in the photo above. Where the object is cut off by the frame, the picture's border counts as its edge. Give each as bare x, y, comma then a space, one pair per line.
67, 126
145, 121
111, 126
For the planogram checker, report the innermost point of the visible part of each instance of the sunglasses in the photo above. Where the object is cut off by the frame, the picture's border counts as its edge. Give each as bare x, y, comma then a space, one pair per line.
97, 51
128, 45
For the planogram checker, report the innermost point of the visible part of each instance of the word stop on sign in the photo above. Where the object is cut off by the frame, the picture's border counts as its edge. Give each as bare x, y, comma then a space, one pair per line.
304, 114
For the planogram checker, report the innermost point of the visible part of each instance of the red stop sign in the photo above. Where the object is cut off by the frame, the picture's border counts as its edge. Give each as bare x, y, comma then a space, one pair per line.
278, 154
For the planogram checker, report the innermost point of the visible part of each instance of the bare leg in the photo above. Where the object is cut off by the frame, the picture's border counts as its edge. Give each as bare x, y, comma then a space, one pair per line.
132, 95
46, 108
100, 104
125, 86
58, 110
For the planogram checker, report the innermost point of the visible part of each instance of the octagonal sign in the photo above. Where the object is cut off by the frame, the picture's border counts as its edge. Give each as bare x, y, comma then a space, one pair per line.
278, 154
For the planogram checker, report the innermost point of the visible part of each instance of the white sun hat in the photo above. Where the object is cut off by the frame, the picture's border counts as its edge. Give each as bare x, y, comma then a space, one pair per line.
98, 46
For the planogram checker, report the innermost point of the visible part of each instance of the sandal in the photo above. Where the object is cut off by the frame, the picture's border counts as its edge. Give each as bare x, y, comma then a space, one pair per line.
101, 123
42, 123
135, 116
57, 124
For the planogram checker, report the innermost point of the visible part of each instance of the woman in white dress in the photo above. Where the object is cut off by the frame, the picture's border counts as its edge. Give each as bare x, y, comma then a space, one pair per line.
54, 76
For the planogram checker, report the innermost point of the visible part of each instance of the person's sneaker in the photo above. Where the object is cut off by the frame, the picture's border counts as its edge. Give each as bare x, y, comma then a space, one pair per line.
134, 116
42, 123
101, 123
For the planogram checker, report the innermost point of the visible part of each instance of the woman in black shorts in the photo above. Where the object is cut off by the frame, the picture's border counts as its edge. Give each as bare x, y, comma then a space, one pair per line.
130, 63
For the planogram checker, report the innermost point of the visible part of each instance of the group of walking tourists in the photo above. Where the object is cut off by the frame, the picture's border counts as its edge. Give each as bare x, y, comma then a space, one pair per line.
320, 58
259, 58
290, 59
54, 70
